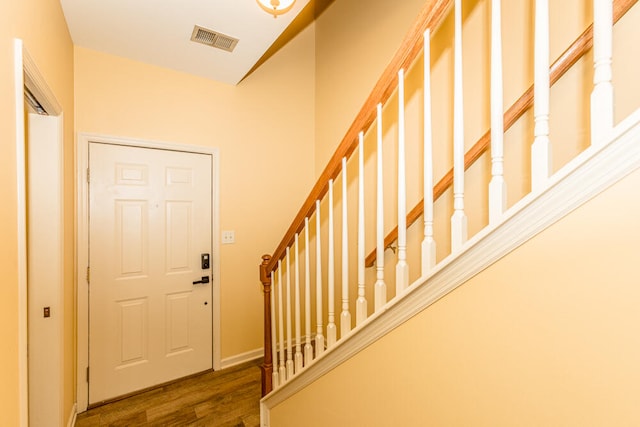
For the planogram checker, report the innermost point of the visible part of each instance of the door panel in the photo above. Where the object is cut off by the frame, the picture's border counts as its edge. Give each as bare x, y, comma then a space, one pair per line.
131, 237
178, 323
149, 222
45, 264
133, 331
178, 237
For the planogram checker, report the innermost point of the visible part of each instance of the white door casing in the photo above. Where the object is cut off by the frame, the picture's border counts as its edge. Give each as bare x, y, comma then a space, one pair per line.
127, 353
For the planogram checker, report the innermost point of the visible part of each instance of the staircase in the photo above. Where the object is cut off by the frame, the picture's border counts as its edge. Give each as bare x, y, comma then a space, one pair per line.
553, 156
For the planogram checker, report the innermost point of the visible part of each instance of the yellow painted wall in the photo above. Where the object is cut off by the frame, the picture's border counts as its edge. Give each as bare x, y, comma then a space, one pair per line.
264, 130
546, 336
40, 23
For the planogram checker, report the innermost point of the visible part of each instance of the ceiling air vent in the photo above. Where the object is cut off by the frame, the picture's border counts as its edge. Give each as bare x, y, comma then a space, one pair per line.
213, 39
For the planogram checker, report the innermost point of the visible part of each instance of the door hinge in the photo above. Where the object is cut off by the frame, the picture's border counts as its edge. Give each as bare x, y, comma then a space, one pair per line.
88, 274
87, 374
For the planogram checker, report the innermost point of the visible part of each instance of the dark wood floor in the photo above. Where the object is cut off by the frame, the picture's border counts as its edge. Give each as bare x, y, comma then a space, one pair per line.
226, 398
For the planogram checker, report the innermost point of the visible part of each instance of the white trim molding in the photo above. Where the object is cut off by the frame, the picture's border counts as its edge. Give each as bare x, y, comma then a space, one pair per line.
248, 356
590, 173
82, 246
21, 190
38, 87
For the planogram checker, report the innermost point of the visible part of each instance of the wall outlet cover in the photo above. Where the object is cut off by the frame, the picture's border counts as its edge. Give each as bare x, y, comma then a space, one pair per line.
228, 237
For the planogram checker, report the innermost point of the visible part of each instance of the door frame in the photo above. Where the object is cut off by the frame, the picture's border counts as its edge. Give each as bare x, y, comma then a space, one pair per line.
27, 75
82, 245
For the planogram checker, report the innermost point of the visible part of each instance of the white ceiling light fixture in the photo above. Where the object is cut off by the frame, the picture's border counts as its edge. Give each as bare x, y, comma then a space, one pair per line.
276, 7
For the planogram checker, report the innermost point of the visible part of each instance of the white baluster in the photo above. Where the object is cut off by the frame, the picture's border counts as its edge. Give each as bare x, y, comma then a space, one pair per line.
402, 268
274, 349
428, 243
380, 287
308, 349
602, 95
361, 302
282, 370
459, 219
331, 325
345, 315
540, 150
289, 364
298, 355
319, 332
497, 186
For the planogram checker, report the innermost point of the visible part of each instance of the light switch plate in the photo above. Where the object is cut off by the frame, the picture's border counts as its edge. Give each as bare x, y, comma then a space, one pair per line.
228, 237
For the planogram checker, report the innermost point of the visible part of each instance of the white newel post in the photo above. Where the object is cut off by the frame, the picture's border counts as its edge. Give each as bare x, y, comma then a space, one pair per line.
319, 323
282, 370
308, 349
289, 364
274, 348
361, 302
602, 95
298, 354
541, 150
497, 186
402, 268
331, 324
428, 243
345, 315
459, 218
380, 287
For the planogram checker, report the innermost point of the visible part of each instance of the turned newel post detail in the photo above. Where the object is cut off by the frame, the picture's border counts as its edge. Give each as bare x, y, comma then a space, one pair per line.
267, 365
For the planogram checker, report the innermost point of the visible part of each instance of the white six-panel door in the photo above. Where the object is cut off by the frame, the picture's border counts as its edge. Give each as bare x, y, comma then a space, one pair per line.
149, 224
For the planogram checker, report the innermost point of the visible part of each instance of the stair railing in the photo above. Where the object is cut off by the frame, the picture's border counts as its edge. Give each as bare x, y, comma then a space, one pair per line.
561, 65
278, 270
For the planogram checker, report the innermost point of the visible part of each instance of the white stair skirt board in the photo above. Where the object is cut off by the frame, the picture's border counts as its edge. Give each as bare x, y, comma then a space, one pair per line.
586, 176
248, 356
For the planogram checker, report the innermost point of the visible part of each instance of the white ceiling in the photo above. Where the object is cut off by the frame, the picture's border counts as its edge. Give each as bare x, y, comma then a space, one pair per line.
158, 32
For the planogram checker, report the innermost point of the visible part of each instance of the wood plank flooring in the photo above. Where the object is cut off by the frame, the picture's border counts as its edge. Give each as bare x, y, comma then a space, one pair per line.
226, 398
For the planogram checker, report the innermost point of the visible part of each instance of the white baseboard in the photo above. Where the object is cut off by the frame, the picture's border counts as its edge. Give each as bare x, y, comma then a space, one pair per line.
228, 362
72, 416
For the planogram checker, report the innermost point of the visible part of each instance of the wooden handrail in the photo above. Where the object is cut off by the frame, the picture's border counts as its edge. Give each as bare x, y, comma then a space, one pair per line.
431, 15
564, 62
